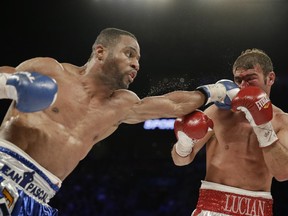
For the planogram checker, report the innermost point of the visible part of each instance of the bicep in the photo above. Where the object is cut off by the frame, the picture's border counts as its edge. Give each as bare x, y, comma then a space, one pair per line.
280, 125
150, 108
282, 135
43, 65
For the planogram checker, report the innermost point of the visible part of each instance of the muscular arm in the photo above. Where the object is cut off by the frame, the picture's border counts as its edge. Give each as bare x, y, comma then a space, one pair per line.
180, 103
276, 155
44, 65
174, 104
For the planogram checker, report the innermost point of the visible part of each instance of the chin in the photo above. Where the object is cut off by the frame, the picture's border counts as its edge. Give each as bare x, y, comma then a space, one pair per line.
126, 85
123, 86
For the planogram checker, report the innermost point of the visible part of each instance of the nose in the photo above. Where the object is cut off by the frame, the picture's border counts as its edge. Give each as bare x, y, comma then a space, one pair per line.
135, 64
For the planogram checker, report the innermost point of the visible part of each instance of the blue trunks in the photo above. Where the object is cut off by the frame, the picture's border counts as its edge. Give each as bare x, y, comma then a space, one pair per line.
25, 186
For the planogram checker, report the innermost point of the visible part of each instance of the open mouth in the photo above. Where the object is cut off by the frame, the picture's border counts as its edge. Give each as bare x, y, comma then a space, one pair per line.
132, 76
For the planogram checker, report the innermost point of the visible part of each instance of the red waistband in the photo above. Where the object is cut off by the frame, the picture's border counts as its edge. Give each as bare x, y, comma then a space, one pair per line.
233, 204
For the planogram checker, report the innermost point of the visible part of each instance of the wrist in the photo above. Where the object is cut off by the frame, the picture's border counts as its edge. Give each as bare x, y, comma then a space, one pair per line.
265, 134
183, 149
7, 91
213, 92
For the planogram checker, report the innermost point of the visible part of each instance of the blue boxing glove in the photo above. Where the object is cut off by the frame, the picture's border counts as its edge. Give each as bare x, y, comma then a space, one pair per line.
221, 93
32, 91
231, 91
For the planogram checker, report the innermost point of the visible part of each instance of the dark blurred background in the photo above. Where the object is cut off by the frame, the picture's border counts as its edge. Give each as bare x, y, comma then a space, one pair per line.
184, 43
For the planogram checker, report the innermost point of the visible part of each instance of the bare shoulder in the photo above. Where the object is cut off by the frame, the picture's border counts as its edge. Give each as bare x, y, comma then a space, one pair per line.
214, 112
210, 111
74, 69
128, 96
278, 112
44, 65
280, 118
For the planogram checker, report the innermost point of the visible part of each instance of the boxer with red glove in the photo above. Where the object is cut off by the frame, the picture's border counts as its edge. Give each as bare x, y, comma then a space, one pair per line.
189, 129
256, 105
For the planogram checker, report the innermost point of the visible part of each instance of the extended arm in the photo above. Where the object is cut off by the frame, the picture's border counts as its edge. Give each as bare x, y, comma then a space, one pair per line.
179, 103
171, 105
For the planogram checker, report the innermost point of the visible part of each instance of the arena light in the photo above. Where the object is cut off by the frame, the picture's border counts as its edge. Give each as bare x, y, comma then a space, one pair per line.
140, 1
161, 124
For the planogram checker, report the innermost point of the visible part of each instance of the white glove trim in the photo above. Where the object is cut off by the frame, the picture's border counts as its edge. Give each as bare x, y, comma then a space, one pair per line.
217, 92
265, 132
7, 91
184, 144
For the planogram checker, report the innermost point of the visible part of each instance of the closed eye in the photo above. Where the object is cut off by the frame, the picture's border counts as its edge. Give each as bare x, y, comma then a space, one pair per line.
132, 53
247, 78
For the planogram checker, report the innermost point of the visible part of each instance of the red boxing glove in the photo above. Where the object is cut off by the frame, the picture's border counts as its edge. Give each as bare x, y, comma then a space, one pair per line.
189, 129
256, 105
254, 100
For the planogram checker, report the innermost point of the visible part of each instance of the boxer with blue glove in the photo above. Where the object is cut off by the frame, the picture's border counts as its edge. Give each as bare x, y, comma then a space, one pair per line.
39, 149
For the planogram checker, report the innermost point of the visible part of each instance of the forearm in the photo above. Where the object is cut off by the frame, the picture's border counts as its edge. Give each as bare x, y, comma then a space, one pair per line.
7, 69
275, 153
171, 105
184, 102
276, 158
7, 91
181, 161
192, 133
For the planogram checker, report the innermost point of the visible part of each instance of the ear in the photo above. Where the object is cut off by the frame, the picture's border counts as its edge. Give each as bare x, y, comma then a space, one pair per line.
271, 78
99, 52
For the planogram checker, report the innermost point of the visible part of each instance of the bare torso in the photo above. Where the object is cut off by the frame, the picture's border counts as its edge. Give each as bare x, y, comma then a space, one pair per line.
234, 158
62, 135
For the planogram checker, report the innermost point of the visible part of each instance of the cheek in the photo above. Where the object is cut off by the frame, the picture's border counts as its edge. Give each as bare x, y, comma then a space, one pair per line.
256, 82
253, 83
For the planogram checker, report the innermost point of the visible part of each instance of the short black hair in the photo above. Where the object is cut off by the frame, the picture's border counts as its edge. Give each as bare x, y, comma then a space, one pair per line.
110, 36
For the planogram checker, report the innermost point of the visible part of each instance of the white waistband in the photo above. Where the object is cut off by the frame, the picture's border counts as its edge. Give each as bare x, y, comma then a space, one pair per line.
229, 189
18, 167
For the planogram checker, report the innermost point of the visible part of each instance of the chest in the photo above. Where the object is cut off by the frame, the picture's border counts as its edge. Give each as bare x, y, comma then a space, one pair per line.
88, 117
235, 130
